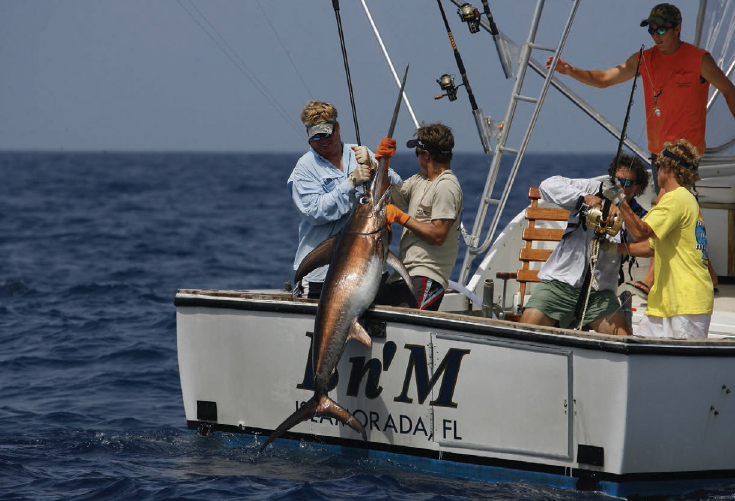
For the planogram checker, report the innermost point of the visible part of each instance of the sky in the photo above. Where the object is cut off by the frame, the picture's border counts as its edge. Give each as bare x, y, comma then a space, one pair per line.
233, 75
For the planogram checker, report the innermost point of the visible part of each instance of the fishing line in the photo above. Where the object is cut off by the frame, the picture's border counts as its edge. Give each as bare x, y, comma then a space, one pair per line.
335, 5
285, 51
232, 55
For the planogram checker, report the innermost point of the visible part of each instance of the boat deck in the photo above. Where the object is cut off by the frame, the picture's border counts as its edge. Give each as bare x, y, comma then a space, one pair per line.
723, 317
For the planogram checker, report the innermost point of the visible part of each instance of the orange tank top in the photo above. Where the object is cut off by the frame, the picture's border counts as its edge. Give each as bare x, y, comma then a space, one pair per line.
675, 96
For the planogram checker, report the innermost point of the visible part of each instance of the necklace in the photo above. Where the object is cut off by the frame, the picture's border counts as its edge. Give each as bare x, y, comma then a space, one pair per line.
656, 111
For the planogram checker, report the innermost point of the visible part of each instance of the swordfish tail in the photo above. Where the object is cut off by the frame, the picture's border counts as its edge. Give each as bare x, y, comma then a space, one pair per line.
317, 406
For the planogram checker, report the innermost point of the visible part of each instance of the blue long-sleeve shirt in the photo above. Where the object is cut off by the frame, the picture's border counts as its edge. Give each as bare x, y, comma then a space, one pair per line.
324, 197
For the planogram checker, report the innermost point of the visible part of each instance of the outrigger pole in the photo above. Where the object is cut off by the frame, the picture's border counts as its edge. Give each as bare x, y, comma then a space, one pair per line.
600, 231
335, 5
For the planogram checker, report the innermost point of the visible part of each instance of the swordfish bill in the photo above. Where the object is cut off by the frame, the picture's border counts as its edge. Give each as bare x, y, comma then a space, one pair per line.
352, 281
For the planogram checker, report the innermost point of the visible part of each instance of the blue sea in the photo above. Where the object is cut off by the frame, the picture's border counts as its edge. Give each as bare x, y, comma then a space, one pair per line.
93, 247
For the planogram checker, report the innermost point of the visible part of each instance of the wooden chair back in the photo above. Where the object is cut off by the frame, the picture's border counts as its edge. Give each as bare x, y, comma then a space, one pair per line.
531, 253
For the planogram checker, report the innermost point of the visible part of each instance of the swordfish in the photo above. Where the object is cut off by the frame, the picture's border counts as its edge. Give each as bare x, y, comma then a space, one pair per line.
356, 258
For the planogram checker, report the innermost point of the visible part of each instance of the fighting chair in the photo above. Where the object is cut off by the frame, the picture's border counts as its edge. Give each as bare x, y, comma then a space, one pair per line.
533, 250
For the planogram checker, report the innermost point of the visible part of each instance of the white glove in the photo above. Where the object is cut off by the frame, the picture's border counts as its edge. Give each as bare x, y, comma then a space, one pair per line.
361, 155
608, 246
360, 175
613, 192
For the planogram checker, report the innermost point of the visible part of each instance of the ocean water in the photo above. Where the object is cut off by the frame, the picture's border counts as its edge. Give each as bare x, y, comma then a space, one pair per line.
92, 249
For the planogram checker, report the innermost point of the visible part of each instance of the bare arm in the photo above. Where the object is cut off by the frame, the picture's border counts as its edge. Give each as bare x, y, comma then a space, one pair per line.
714, 75
637, 249
598, 78
435, 231
640, 230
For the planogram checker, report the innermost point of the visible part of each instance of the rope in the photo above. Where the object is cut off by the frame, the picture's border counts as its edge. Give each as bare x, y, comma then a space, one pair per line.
594, 254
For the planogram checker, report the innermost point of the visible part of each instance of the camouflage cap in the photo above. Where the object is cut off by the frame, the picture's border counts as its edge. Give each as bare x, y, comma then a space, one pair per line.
663, 14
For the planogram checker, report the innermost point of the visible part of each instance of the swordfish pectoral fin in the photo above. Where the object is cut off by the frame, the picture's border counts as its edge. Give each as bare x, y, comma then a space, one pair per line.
397, 265
321, 255
358, 333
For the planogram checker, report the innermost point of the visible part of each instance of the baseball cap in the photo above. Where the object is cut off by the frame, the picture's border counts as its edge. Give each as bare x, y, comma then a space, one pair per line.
663, 14
412, 143
320, 128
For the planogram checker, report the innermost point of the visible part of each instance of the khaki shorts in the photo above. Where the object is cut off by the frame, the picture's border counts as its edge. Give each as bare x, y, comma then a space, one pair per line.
558, 301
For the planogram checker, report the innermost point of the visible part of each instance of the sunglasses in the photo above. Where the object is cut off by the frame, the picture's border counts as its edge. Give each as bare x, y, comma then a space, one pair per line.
626, 183
320, 136
657, 31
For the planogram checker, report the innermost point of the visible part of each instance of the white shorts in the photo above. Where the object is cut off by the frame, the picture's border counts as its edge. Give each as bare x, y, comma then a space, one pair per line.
677, 327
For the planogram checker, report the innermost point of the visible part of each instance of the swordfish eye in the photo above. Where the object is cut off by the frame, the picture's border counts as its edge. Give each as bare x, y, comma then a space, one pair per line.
364, 200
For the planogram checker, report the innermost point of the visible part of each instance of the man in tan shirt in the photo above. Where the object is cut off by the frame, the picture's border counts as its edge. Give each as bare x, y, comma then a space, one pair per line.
433, 201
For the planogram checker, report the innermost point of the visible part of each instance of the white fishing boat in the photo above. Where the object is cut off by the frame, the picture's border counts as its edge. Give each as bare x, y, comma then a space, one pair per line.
462, 393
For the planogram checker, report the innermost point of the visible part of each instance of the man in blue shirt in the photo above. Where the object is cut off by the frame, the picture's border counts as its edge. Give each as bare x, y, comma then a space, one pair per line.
325, 186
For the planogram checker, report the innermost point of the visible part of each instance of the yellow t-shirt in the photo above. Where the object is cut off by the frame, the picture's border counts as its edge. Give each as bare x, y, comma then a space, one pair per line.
682, 283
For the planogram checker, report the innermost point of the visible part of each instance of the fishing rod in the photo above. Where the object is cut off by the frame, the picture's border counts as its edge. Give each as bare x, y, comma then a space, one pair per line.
504, 63
447, 84
614, 167
603, 225
458, 58
335, 5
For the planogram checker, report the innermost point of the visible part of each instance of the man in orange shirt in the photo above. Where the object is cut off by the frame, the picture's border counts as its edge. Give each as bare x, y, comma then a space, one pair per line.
676, 77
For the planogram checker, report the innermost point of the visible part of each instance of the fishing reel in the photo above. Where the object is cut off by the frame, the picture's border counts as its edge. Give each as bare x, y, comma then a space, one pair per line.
596, 223
446, 83
470, 15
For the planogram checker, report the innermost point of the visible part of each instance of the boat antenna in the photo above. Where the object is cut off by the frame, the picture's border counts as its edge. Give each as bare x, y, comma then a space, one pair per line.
458, 57
335, 5
604, 224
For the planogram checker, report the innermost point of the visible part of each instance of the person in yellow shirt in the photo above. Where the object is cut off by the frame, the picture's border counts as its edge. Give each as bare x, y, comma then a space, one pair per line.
681, 299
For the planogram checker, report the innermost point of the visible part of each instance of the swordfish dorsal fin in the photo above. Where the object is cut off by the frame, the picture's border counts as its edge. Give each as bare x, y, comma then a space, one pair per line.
321, 255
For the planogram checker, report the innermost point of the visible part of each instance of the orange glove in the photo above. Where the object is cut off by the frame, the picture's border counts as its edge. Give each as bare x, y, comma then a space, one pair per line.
395, 215
386, 148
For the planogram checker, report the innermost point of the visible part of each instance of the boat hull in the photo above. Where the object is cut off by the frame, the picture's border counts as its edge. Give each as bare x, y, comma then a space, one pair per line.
475, 397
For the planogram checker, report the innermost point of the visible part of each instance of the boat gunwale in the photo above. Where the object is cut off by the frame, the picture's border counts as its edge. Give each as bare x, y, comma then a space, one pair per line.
282, 302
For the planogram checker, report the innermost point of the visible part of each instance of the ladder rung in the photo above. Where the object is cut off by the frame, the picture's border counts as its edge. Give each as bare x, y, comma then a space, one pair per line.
542, 47
526, 98
505, 149
492, 201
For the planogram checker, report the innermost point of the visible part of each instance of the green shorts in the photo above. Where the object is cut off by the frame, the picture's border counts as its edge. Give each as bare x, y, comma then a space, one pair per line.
558, 301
